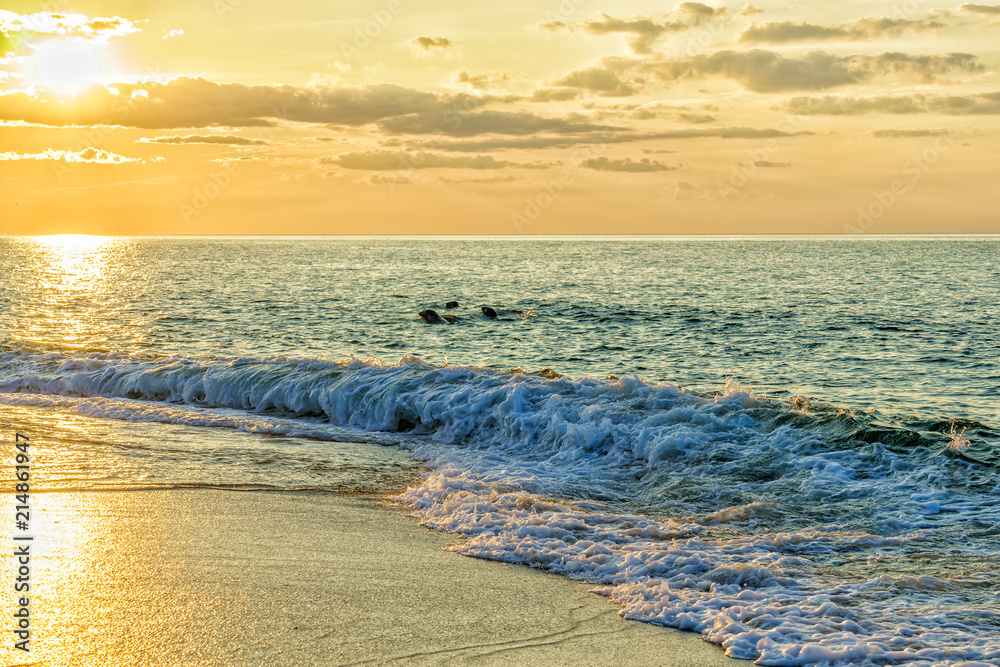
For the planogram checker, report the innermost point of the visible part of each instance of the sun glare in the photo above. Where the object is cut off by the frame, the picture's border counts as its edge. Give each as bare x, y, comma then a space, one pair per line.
65, 65
72, 243
71, 282
74, 256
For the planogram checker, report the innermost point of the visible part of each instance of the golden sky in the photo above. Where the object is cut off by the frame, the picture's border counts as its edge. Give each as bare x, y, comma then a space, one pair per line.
521, 117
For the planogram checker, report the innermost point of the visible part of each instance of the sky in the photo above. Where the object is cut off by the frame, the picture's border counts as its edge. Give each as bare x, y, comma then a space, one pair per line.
520, 117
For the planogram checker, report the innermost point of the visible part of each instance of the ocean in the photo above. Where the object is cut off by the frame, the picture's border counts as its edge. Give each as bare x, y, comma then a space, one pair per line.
788, 445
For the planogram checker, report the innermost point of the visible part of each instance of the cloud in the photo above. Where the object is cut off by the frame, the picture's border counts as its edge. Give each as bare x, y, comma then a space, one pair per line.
401, 160
65, 25
782, 32
924, 68
700, 12
696, 118
988, 10
489, 122
894, 134
537, 142
763, 71
555, 94
768, 164
537, 164
766, 71
387, 179
197, 103
597, 80
625, 164
423, 45
480, 181
642, 32
88, 155
481, 81
172, 33
652, 111
688, 191
751, 10
210, 139
955, 105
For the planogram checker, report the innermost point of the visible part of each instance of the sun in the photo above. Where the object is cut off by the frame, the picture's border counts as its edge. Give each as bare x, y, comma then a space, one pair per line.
65, 65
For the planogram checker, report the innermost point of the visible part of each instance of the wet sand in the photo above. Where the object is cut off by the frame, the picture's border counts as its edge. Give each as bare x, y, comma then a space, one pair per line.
238, 578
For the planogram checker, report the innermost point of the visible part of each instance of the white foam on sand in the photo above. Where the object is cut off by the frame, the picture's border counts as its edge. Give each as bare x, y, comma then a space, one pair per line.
759, 597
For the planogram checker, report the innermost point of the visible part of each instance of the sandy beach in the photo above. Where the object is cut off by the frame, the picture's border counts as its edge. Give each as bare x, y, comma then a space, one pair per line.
230, 578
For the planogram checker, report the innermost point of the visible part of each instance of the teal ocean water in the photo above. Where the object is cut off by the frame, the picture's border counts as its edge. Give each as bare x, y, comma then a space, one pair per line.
788, 445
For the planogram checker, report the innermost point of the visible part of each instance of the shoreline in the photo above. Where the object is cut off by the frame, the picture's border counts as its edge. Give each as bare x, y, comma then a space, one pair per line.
234, 577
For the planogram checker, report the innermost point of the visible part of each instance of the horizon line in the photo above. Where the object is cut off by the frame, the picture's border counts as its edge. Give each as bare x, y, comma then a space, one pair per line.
515, 236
